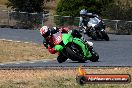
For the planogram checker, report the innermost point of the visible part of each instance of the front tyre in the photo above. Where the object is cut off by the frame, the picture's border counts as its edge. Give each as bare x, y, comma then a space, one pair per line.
93, 35
95, 55
74, 55
94, 58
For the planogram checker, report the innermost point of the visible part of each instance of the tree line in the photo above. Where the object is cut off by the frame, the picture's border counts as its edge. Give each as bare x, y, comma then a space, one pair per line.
110, 9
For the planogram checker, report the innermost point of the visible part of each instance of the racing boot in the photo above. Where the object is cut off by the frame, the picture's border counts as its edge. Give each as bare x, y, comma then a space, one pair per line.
61, 58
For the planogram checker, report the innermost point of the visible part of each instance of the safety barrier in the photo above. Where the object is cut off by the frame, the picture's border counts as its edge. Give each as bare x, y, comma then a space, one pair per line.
26, 20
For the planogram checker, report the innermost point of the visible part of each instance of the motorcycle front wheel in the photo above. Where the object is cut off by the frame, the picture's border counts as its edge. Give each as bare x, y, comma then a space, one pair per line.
93, 35
75, 54
95, 55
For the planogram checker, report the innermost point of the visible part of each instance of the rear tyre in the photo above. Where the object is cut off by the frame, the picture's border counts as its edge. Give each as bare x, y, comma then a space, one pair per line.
75, 56
105, 36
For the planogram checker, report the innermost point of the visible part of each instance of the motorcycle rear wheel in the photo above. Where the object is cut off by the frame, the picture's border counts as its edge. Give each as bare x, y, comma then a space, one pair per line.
105, 36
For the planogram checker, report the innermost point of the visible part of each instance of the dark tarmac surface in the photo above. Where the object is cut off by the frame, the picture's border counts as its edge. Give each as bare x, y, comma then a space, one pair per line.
116, 52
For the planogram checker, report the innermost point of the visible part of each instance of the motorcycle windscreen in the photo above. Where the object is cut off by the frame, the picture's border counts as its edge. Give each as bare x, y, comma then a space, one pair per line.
93, 21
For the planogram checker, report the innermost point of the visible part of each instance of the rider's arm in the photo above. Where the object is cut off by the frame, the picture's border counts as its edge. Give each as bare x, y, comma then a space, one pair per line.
45, 43
50, 46
51, 50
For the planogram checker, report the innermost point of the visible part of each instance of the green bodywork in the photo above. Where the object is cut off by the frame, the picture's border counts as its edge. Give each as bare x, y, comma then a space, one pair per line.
67, 38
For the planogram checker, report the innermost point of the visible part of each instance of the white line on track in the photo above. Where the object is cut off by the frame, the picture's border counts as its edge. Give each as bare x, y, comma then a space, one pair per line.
16, 41
44, 61
21, 62
32, 62
2, 64
17, 63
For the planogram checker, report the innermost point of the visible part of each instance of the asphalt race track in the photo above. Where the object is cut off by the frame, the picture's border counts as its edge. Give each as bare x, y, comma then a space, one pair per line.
116, 52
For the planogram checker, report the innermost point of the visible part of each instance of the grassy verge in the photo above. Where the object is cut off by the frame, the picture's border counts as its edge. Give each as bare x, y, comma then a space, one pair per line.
13, 51
56, 78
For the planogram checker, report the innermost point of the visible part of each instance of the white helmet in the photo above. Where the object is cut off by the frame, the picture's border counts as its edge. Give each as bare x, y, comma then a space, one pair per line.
83, 12
45, 32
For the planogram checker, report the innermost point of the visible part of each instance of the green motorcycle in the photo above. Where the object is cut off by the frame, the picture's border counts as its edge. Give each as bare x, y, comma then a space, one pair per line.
73, 48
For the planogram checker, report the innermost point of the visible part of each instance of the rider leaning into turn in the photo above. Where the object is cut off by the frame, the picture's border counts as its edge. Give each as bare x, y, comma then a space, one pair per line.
85, 17
47, 33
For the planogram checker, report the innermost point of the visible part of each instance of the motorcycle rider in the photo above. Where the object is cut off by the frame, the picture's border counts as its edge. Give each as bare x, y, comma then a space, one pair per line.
47, 33
84, 18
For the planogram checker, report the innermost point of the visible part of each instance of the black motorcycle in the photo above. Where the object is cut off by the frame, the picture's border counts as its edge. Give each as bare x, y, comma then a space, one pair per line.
95, 29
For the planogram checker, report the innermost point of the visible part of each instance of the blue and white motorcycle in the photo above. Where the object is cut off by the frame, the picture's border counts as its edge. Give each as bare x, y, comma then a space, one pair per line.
95, 29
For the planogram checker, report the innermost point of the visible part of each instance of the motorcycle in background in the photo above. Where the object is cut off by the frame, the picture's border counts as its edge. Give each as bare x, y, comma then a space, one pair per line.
95, 29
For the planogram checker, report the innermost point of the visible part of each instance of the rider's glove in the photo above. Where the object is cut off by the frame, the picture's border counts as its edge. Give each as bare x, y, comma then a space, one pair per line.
51, 50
